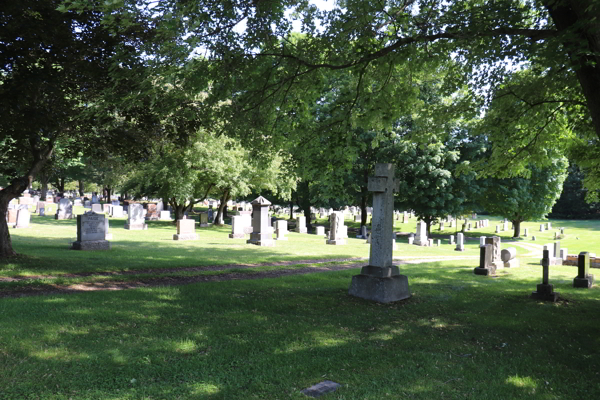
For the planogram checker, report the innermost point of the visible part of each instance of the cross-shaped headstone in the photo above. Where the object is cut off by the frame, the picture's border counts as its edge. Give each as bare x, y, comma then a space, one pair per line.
383, 185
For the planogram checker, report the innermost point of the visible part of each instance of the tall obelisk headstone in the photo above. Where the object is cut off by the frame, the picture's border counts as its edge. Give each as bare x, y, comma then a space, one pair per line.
380, 280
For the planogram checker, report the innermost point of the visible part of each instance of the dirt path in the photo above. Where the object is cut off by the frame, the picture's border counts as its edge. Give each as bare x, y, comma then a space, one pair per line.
183, 280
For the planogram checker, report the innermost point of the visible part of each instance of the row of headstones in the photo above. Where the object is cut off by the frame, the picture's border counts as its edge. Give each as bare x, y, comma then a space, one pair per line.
545, 290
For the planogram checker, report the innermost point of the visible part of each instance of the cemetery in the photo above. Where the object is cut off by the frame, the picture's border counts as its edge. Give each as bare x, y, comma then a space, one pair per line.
299, 199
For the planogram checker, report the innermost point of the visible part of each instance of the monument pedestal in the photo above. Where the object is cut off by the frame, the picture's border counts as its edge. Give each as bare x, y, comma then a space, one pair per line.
261, 239
136, 227
336, 241
485, 271
545, 292
91, 245
185, 236
383, 285
586, 282
237, 236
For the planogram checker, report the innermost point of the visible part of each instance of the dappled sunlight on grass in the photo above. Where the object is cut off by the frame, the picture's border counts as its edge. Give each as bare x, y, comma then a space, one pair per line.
524, 382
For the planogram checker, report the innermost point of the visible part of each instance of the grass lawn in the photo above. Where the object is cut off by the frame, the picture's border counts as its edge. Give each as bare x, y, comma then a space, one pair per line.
458, 336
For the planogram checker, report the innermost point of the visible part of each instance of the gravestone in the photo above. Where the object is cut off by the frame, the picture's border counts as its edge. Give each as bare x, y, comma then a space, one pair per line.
25, 200
545, 290
165, 215
381, 280
97, 208
106, 208
336, 231
411, 239
65, 209
211, 214
496, 250
481, 241
526, 232
116, 211
94, 199
281, 229
541, 227
186, 230
497, 228
557, 257
509, 257
135, 217
42, 212
320, 231
203, 220
115, 203
301, 224
23, 218
91, 232
151, 212
486, 266
247, 221
505, 226
261, 230
583, 279
107, 234
11, 217
460, 242
441, 225
237, 228
87, 204
421, 236
451, 239
39, 205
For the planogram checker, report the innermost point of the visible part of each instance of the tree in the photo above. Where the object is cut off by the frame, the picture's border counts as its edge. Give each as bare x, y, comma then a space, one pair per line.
209, 164
572, 201
524, 199
431, 183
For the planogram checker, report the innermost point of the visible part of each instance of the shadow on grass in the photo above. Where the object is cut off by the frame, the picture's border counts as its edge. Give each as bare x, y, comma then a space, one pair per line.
458, 334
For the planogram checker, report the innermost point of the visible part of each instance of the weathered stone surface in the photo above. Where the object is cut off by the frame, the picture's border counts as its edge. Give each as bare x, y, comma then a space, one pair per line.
135, 217
508, 254
380, 280
262, 234
545, 290
91, 232
486, 267
421, 236
237, 228
186, 230
321, 388
336, 231
301, 224
91, 245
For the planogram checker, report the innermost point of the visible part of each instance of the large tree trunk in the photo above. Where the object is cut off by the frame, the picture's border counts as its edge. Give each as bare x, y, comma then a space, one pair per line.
292, 207
516, 228
221, 209
179, 210
81, 188
577, 20
14, 190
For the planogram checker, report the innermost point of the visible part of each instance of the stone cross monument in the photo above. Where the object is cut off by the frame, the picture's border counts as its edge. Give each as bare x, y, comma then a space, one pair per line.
380, 280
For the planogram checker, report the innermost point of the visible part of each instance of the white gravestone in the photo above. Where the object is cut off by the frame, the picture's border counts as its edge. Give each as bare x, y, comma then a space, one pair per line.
381, 280
421, 236
97, 208
186, 230
107, 234
301, 224
460, 242
165, 215
116, 211
281, 229
23, 218
320, 231
336, 231
135, 217
65, 209
237, 227
91, 232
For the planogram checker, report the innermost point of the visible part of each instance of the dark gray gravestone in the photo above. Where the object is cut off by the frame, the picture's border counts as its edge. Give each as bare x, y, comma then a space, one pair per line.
545, 290
583, 278
321, 388
486, 267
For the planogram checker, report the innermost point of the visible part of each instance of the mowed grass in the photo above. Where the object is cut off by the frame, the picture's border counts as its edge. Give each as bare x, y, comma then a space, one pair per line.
458, 336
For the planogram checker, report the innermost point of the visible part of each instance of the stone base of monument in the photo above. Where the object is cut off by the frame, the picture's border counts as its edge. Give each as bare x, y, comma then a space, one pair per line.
545, 292
91, 245
484, 271
586, 282
514, 263
383, 285
336, 241
204, 225
554, 261
20, 226
136, 227
261, 239
237, 236
301, 230
185, 236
